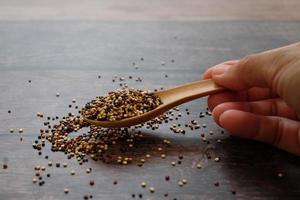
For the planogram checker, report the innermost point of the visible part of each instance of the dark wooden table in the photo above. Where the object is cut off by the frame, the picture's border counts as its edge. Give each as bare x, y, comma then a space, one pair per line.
66, 57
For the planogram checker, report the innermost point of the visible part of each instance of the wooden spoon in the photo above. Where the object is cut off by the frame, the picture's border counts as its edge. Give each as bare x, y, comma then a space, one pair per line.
170, 98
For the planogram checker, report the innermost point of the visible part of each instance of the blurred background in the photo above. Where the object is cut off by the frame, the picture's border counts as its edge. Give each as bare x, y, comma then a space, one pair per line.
78, 34
278, 10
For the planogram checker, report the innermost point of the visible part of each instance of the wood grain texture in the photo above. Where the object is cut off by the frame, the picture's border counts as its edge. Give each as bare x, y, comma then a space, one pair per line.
136, 10
68, 56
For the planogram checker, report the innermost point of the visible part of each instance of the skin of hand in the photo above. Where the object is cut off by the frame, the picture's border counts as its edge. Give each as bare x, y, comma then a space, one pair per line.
263, 100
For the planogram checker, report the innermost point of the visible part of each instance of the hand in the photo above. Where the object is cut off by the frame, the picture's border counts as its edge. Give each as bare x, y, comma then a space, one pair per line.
263, 100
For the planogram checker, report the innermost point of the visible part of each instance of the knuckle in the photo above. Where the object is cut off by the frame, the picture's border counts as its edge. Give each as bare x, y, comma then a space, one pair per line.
247, 60
247, 63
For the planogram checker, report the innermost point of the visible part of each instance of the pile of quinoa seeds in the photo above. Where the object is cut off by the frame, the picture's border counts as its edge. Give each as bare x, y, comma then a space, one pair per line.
119, 145
121, 104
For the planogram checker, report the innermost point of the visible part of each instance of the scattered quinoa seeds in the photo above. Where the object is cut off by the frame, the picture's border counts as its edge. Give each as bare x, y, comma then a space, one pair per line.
92, 182
184, 181
97, 142
66, 190
39, 114
152, 189
148, 155
180, 183
143, 184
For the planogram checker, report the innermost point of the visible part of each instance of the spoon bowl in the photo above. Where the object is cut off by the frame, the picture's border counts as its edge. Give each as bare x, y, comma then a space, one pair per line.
170, 98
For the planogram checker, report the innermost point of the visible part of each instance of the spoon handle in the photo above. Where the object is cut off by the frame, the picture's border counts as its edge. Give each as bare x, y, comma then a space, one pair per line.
189, 92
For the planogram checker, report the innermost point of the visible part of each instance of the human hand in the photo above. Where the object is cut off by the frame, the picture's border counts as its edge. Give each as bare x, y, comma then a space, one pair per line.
263, 100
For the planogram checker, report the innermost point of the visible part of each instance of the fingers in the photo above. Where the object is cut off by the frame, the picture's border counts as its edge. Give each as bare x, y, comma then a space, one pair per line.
278, 69
271, 107
252, 94
280, 132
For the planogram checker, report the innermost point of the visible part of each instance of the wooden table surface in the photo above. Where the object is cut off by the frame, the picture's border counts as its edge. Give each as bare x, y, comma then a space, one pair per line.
62, 47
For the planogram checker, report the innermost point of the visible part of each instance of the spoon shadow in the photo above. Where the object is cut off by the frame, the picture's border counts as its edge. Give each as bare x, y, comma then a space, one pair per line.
153, 146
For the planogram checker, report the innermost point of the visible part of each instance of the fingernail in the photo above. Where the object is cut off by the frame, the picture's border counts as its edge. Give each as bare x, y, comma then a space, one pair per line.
218, 71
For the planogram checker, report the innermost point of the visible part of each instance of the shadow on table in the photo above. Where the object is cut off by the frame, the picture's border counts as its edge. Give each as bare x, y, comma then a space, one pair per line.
152, 146
260, 170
